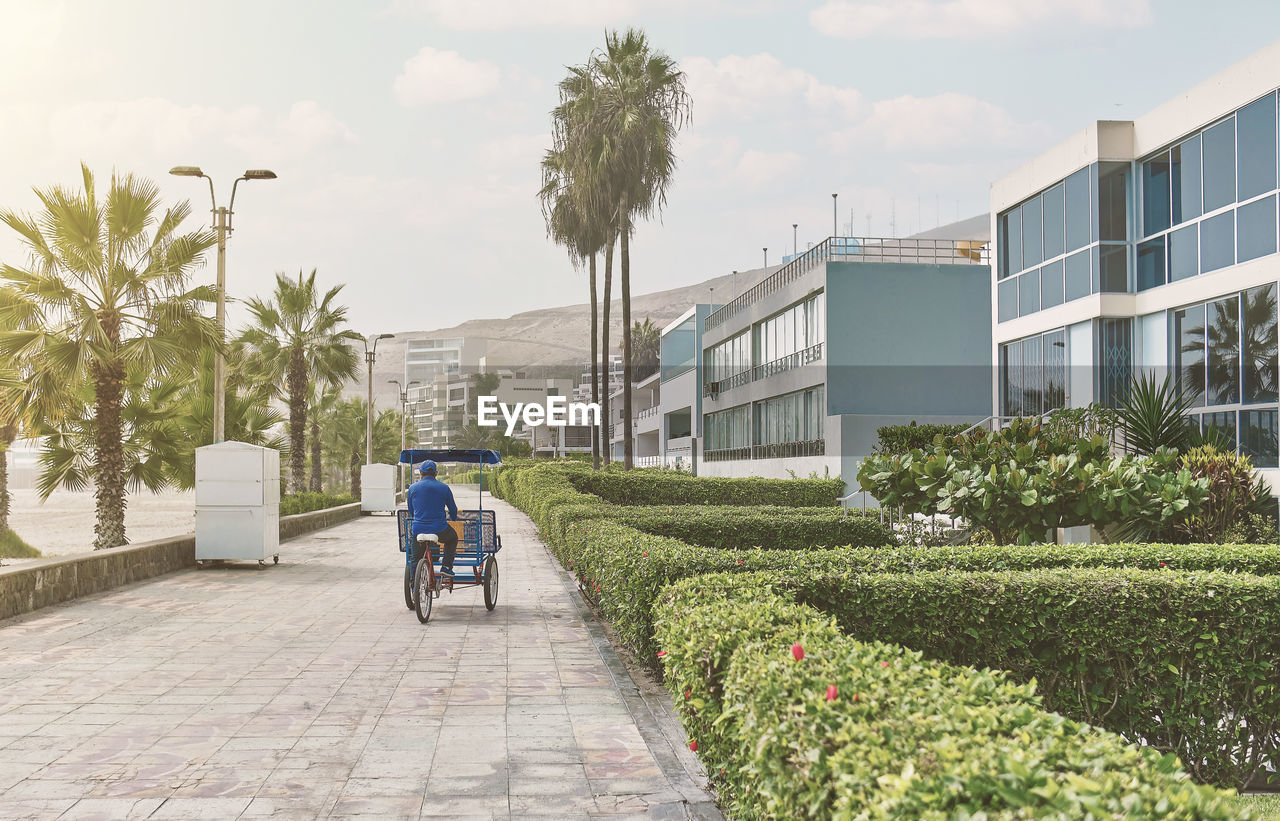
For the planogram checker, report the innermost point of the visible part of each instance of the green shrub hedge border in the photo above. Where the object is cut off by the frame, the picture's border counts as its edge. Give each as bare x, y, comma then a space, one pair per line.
795, 719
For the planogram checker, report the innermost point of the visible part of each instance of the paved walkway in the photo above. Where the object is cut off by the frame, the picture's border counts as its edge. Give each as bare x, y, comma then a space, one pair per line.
309, 690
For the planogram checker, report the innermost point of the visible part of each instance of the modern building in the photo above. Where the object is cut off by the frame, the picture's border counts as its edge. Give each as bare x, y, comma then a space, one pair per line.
441, 409
646, 419
1149, 245
800, 371
425, 359
680, 415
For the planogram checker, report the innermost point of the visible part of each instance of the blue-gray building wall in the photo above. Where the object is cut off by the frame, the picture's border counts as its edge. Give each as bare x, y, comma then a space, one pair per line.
908, 340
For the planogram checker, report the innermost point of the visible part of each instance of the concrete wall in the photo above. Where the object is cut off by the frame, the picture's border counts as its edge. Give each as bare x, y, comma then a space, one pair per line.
29, 587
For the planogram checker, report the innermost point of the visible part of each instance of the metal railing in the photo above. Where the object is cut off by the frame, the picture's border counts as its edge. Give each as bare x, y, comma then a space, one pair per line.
858, 249
718, 386
807, 356
648, 461
647, 412
783, 450
726, 454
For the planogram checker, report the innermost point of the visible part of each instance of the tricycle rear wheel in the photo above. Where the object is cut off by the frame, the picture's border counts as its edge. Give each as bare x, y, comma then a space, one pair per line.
490, 583
408, 586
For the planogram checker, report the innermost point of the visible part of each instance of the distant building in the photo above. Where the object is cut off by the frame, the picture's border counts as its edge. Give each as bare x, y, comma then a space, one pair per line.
426, 358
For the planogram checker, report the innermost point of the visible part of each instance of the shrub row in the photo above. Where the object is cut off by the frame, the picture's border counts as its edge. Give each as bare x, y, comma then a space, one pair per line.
795, 719
906, 438
307, 501
1187, 662
1100, 642
644, 487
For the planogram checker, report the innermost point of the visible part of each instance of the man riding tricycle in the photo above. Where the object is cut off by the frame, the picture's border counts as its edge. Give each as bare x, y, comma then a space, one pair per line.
445, 548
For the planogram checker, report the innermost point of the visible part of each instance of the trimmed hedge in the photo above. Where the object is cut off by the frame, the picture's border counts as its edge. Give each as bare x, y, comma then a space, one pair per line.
674, 488
307, 501
870, 730
777, 528
906, 438
1188, 662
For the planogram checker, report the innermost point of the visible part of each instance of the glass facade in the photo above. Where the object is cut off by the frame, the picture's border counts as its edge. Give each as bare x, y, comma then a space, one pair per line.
792, 417
1224, 353
728, 429
801, 326
729, 358
679, 349
1034, 374
1209, 202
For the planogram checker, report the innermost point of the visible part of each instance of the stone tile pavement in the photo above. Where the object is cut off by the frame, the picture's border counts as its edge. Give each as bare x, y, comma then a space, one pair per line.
308, 690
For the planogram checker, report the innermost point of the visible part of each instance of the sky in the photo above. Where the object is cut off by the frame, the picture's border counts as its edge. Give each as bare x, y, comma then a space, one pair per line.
407, 133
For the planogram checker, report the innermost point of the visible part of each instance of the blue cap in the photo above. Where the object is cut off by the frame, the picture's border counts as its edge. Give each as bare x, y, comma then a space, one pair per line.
427, 467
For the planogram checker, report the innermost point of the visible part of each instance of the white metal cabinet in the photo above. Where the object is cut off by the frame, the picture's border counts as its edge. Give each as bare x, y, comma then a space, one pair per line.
237, 502
377, 488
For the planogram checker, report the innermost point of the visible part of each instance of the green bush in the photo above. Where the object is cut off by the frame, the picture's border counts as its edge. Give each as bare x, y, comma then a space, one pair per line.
12, 546
646, 487
306, 502
906, 438
1021, 481
1188, 662
870, 730
781, 528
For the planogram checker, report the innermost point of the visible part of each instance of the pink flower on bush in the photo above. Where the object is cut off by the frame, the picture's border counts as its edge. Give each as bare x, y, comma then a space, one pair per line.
832, 692
661, 653
884, 664
797, 651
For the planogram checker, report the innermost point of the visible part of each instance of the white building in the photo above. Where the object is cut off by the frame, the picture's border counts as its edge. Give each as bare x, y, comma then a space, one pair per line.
1149, 244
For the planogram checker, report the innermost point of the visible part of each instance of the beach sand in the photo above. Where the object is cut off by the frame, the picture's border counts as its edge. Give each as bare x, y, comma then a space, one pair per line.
64, 524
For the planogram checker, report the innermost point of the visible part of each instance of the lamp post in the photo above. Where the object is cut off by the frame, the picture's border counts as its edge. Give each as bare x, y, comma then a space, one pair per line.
222, 224
369, 357
834, 231
795, 248
404, 405
766, 259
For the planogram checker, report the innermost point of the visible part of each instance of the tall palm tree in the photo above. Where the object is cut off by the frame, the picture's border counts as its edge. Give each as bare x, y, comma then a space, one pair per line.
646, 342
104, 297
629, 113
323, 397
296, 337
573, 224
344, 435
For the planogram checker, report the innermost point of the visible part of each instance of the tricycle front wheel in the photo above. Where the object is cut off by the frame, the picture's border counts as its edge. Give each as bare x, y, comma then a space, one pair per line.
422, 592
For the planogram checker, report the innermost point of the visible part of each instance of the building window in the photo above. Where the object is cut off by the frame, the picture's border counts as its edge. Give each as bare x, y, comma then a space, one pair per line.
729, 358
1258, 341
1151, 263
1028, 293
1256, 229
1115, 359
1184, 253
792, 417
1217, 242
1219, 147
1113, 180
791, 331
1077, 276
1034, 374
679, 424
1256, 147
1184, 177
728, 430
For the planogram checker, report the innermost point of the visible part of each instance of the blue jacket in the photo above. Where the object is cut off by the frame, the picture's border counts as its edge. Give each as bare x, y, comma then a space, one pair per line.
428, 499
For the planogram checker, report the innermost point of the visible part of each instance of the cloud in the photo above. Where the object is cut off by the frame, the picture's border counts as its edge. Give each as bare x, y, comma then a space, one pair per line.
433, 76
489, 15
747, 87
151, 126
757, 169
960, 19
521, 151
946, 122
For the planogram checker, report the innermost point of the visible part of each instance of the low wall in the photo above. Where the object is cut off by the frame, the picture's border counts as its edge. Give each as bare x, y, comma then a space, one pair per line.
32, 586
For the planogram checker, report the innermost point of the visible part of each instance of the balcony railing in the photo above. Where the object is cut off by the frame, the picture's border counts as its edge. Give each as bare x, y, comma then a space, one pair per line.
647, 412
808, 356
858, 249
782, 450
648, 461
726, 454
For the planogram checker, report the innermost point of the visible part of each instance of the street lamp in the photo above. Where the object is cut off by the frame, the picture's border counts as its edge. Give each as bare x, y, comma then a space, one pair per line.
834, 230
369, 356
404, 406
222, 224
795, 249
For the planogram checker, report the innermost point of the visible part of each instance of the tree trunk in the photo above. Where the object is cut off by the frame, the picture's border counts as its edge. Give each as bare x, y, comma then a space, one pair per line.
109, 491
354, 468
296, 385
8, 433
316, 485
595, 362
605, 417
624, 255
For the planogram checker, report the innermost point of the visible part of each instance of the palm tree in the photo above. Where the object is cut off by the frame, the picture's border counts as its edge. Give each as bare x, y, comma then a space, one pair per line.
645, 345
298, 337
627, 118
344, 435
103, 299
573, 224
323, 396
